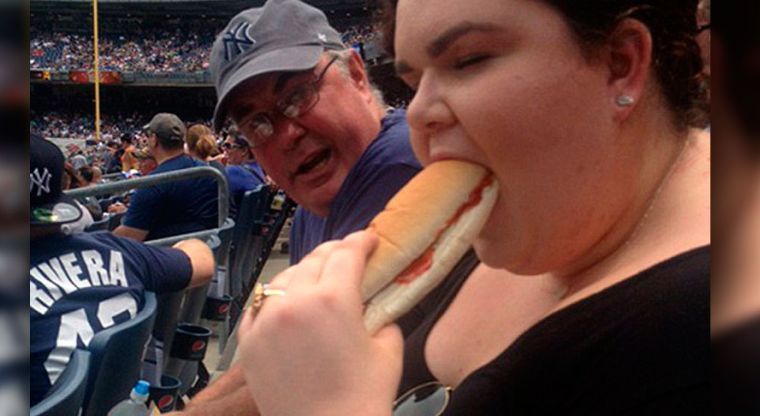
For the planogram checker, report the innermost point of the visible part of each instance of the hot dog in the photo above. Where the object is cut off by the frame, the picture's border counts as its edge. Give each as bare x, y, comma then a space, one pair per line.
423, 232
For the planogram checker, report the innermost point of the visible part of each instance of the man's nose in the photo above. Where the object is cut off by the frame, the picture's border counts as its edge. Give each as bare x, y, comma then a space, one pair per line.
288, 132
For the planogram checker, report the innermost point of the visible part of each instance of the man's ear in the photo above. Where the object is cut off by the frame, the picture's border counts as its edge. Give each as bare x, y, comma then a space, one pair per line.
358, 73
629, 59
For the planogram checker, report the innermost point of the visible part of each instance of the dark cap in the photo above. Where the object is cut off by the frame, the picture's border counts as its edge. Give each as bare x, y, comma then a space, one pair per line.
166, 126
282, 35
47, 202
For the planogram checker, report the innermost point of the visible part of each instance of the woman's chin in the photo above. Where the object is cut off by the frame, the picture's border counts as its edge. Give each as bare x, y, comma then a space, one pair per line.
489, 254
493, 254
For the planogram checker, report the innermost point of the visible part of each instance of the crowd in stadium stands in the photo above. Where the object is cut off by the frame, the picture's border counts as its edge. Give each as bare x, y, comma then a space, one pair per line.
134, 156
81, 126
359, 34
160, 51
163, 51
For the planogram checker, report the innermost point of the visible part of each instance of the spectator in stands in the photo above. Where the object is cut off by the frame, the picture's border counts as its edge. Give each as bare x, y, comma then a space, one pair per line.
97, 175
81, 284
76, 157
128, 160
201, 144
317, 126
112, 162
147, 162
176, 207
539, 92
87, 175
243, 172
71, 177
120, 150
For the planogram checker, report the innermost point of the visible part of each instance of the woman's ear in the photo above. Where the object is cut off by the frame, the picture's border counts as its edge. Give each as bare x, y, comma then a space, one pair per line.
629, 61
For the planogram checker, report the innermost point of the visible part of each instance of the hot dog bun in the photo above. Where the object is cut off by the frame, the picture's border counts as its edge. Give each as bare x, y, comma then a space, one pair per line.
423, 231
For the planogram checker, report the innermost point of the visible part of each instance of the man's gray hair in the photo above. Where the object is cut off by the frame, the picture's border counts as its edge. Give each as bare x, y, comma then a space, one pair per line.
344, 56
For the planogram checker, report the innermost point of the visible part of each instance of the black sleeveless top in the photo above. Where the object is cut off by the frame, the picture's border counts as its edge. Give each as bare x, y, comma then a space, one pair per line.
638, 347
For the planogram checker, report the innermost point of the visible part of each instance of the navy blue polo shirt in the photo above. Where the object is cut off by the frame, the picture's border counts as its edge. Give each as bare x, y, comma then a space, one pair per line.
177, 207
384, 168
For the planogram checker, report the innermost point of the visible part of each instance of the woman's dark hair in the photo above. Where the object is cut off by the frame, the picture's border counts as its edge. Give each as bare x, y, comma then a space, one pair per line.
86, 173
672, 23
71, 178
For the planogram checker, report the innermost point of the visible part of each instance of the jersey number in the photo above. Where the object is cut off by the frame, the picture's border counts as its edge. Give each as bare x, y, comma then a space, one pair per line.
75, 325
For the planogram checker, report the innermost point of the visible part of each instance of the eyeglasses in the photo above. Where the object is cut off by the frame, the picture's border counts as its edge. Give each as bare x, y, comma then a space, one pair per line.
228, 146
295, 102
429, 399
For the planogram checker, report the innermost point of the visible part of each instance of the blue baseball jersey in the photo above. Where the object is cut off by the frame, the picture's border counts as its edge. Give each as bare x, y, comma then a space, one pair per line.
177, 207
384, 168
83, 283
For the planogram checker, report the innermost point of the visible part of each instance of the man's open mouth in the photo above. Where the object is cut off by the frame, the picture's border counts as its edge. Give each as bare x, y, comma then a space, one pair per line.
314, 162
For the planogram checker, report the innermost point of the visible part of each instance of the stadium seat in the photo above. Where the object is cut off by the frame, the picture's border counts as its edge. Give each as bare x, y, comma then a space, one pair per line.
256, 233
222, 253
101, 225
115, 220
247, 238
195, 298
276, 221
116, 359
67, 394
247, 245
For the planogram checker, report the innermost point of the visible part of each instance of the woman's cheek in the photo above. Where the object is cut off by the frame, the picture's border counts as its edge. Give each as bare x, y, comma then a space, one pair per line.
420, 146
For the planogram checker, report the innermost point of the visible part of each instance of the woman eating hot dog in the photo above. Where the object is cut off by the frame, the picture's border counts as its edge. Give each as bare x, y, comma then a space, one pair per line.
582, 111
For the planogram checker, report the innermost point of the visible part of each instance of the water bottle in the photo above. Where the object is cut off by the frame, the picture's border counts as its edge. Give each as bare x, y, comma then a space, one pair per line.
135, 405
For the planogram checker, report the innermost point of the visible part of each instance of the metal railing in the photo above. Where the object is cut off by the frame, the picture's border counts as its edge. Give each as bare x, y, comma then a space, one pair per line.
115, 175
161, 178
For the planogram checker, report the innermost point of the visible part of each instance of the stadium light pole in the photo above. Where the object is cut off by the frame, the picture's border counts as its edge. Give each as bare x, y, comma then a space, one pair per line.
96, 63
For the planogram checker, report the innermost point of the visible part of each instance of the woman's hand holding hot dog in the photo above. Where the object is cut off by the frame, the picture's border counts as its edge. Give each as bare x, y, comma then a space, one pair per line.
316, 328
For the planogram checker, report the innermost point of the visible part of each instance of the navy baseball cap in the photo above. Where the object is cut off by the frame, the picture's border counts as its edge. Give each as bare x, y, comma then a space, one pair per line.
282, 35
47, 202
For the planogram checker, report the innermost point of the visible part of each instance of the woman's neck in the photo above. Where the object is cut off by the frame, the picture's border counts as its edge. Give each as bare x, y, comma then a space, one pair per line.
671, 216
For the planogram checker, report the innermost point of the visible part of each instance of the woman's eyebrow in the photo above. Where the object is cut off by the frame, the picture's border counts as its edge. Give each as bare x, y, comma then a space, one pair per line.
443, 42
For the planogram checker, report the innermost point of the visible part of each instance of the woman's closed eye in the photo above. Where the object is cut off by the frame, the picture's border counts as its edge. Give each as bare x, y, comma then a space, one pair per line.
469, 61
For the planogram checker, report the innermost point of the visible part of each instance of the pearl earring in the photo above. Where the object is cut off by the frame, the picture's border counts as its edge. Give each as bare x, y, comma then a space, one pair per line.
624, 100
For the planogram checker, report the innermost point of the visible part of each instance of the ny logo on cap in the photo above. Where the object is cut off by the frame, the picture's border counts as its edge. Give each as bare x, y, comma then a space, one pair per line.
42, 181
237, 41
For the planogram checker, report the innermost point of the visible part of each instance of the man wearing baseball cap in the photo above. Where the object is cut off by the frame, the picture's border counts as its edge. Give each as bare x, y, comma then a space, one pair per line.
172, 208
316, 125
82, 283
